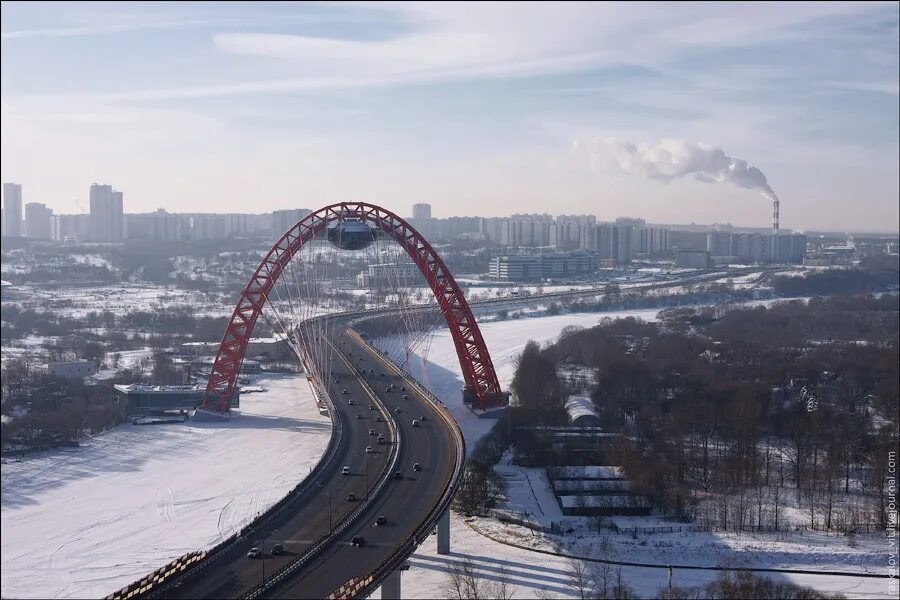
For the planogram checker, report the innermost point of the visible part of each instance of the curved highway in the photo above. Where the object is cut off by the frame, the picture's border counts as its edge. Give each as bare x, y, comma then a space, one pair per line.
405, 501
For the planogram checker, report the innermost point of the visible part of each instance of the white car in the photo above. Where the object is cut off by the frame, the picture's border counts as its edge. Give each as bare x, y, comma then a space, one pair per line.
369, 450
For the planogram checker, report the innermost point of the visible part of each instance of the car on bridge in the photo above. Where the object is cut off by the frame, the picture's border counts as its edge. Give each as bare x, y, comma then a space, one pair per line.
417, 467
351, 402
351, 497
371, 432
277, 550
369, 450
398, 475
415, 423
358, 541
381, 520
371, 407
381, 440
345, 392
345, 471
254, 553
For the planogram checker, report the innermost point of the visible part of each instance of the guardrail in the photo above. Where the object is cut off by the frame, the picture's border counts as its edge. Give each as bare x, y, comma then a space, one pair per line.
298, 563
363, 586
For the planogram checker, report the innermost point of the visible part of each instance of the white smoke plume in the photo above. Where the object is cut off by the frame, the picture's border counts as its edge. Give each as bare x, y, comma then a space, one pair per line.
671, 159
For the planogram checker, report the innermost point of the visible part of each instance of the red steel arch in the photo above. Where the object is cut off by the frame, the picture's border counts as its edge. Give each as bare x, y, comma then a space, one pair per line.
482, 387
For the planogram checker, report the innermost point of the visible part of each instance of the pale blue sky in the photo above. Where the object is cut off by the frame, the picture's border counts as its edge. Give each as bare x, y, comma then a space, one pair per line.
473, 108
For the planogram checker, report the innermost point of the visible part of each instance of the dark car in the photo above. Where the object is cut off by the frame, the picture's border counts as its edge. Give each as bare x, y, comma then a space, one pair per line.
351, 497
398, 475
358, 540
277, 550
371, 407
381, 520
402, 389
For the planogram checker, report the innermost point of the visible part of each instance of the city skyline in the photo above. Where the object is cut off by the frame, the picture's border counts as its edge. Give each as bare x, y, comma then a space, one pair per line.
477, 110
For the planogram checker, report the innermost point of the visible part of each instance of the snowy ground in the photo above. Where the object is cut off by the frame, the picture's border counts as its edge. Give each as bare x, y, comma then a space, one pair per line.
169, 489
84, 523
532, 575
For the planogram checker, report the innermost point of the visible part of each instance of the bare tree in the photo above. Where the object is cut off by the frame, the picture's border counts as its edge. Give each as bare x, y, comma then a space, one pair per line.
464, 583
580, 580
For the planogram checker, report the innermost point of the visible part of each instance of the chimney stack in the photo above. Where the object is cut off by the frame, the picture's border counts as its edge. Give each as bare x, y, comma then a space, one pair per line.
775, 216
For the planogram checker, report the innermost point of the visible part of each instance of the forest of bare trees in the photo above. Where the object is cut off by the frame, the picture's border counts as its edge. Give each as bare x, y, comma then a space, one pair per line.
743, 418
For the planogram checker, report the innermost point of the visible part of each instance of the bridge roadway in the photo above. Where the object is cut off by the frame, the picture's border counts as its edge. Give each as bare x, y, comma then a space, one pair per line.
405, 502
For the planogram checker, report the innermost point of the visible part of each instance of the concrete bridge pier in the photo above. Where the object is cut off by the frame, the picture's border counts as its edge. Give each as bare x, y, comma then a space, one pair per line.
443, 532
390, 587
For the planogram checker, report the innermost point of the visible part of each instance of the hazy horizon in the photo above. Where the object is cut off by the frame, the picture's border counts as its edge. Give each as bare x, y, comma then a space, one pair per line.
480, 109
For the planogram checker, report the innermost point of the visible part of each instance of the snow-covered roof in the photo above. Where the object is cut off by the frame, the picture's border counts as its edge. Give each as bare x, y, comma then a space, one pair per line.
580, 406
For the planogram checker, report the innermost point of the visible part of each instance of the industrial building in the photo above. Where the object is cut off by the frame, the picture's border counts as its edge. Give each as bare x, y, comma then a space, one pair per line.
692, 259
157, 399
71, 370
537, 267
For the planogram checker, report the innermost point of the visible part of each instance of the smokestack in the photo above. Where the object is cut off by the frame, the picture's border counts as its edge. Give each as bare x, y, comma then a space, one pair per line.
775, 216
671, 159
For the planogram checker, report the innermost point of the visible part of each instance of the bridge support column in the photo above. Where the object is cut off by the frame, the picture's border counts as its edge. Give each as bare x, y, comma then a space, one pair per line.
390, 587
443, 545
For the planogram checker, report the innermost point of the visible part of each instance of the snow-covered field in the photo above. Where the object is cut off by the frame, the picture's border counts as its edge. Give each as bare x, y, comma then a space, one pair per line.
533, 575
85, 522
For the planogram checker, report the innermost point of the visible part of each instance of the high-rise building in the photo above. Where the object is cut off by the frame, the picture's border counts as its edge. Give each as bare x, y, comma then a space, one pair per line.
613, 241
159, 225
71, 227
12, 209
282, 220
107, 214
421, 212
38, 221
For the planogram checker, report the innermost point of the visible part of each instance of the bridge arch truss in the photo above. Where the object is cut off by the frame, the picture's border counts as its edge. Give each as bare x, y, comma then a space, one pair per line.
481, 386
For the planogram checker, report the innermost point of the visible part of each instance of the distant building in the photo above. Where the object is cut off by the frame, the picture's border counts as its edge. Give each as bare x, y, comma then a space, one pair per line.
12, 209
70, 227
107, 214
421, 212
384, 275
282, 220
72, 370
537, 267
744, 247
159, 225
38, 221
612, 240
692, 259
